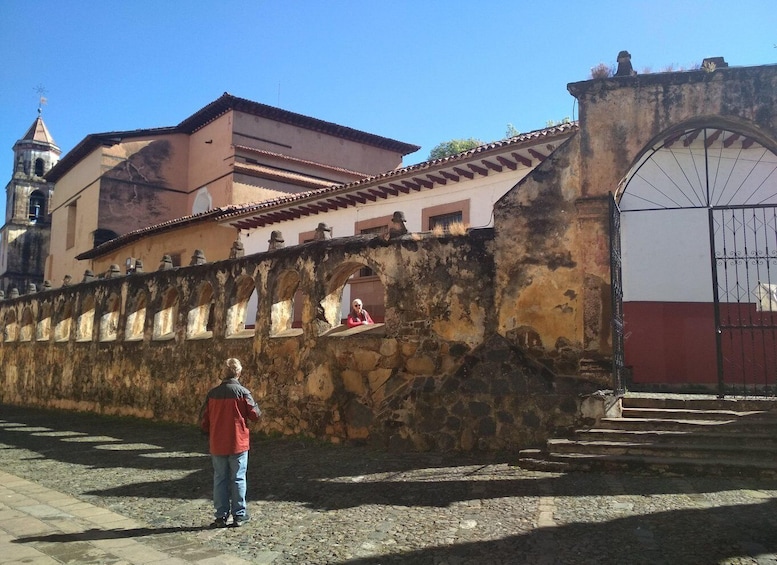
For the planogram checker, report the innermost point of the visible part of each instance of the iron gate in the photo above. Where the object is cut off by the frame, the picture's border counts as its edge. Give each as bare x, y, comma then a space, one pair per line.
616, 282
743, 240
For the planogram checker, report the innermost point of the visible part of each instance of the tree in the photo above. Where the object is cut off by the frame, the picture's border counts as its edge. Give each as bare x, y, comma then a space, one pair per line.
453, 147
552, 123
512, 131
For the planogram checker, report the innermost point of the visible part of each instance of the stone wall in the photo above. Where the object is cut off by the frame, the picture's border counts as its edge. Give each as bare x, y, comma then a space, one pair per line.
490, 339
434, 376
552, 248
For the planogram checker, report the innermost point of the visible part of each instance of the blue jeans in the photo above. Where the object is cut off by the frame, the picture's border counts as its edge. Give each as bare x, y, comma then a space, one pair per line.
229, 484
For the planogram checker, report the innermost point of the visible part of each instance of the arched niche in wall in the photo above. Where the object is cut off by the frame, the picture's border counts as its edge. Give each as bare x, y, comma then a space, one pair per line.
109, 321
11, 329
43, 327
336, 305
199, 321
27, 327
136, 317
164, 319
283, 304
245, 289
64, 322
86, 320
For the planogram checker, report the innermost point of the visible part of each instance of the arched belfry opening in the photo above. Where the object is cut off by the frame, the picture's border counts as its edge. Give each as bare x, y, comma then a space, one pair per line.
698, 254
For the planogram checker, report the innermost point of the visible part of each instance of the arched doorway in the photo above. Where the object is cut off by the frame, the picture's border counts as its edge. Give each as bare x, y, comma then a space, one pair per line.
698, 250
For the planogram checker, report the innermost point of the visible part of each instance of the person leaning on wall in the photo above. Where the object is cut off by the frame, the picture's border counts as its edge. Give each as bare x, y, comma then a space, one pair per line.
358, 316
224, 419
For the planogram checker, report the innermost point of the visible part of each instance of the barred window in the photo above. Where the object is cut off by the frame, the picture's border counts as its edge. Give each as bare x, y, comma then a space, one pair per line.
444, 221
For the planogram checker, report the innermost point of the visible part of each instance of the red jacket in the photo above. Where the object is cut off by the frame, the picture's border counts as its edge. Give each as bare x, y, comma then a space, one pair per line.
355, 319
224, 417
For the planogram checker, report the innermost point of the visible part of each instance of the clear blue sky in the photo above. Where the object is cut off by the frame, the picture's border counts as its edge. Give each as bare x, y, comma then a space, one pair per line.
419, 71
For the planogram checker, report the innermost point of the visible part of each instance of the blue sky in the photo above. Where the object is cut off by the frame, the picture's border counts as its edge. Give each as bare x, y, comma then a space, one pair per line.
419, 71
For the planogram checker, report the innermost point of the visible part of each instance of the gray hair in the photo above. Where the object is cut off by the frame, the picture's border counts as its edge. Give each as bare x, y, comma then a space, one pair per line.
234, 368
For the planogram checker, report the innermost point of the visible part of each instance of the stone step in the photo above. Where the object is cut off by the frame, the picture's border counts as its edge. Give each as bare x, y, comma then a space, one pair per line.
700, 403
696, 414
673, 434
678, 437
701, 425
710, 452
652, 465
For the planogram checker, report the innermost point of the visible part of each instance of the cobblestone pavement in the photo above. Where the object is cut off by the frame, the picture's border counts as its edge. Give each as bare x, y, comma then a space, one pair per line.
324, 504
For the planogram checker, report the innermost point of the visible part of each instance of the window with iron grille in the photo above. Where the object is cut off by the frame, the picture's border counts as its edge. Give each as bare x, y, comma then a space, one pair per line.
444, 221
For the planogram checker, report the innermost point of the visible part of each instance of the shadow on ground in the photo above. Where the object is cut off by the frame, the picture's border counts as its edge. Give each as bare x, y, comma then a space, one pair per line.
325, 477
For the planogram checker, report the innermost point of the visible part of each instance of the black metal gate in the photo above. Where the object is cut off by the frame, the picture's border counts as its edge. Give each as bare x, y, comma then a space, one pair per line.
616, 282
743, 240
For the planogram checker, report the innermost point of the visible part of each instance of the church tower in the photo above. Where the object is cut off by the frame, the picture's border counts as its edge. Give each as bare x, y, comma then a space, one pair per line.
25, 235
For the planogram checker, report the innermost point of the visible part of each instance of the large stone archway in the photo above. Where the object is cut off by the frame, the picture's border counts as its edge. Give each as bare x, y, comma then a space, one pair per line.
552, 249
699, 249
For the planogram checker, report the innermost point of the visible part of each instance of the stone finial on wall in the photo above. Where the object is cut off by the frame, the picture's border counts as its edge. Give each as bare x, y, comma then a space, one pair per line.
138, 266
113, 272
67, 280
624, 65
198, 258
88, 276
397, 226
31, 288
166, 263
237, 251
275, 241
13, 293
709, 64
323, 231
2, 295
47, 285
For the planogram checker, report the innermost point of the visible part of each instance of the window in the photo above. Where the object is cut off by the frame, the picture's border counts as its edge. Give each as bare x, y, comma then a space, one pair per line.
71, 226
444, 221
102, 235
445, 216
39, 167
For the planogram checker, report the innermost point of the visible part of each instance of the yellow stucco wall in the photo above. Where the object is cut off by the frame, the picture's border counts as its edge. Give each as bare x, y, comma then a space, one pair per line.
214, 240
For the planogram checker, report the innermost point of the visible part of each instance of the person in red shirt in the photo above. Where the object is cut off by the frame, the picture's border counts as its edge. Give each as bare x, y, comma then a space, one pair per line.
358, 315
224, 419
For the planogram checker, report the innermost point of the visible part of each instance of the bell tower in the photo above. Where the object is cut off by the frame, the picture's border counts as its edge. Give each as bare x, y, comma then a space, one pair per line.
25, 235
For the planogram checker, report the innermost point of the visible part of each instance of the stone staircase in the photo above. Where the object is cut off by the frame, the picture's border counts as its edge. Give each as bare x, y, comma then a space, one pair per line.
669, 434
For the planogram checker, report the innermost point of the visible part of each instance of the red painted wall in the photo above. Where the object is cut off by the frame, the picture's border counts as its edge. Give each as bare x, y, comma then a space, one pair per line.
673, 343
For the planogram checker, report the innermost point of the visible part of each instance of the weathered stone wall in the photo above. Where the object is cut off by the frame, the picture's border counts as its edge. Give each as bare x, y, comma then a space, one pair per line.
432, 377
551, 248
490, 339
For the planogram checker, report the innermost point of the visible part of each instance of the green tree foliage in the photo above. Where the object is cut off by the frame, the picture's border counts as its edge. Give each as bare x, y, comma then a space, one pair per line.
551, 123
453, 147
512, 131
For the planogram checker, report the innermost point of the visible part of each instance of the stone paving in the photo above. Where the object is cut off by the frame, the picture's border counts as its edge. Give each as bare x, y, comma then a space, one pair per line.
80, 488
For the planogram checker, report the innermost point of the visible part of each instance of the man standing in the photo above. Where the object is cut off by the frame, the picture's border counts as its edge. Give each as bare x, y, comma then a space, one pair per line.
224, 419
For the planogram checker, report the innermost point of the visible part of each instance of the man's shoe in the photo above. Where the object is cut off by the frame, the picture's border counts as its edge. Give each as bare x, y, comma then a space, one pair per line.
240, 520
219, 523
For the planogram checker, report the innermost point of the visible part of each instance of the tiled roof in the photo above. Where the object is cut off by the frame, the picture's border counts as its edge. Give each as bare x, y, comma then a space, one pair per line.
490, 157
157, 228
38, 132
521, 150
296, 160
